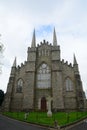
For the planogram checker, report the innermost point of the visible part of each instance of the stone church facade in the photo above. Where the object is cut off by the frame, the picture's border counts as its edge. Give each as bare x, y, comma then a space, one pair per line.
44, 74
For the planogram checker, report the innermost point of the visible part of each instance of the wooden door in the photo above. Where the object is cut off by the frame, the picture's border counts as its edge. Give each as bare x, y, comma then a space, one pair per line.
43, 104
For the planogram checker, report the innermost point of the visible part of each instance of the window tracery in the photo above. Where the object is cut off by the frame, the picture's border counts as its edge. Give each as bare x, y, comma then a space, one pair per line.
44, 76
69, 84
19, 86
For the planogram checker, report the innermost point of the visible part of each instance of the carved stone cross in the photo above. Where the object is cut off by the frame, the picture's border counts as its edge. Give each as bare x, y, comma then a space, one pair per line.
49, 99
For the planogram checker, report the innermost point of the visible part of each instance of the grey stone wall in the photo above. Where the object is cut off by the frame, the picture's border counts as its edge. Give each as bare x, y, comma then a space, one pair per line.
28, 99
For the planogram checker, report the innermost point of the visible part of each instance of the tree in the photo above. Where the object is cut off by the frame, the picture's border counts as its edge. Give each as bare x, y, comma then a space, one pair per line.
1, 54
1, 96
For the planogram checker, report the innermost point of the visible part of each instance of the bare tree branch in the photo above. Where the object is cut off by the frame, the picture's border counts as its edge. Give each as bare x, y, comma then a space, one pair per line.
1, 54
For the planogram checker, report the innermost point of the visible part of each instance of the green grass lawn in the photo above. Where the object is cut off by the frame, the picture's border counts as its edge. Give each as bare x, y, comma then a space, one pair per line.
41, 117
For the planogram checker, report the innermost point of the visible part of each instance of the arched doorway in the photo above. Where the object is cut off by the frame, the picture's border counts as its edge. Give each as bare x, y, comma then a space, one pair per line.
43, 104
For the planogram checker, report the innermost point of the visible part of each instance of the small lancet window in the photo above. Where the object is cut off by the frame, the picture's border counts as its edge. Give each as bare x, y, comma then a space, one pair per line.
68, 84
19, 86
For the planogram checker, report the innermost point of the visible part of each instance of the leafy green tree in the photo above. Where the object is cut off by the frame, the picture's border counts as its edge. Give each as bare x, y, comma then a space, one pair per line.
1, 96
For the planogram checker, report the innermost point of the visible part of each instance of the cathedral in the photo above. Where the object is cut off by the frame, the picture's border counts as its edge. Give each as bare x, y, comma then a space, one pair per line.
44, 74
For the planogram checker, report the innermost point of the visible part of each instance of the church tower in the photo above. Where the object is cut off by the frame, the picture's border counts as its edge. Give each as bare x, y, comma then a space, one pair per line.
30, 75
56, 75
55, 48
79, 89
10, 87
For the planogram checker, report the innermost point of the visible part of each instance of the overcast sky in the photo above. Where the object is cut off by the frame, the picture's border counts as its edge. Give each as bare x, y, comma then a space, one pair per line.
18, 18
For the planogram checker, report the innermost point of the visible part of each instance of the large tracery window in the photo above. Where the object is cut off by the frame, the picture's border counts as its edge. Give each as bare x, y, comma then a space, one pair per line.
69, 84
44, 76
19, 86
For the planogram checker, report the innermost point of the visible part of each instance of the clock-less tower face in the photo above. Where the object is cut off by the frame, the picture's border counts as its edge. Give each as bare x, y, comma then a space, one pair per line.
44, 77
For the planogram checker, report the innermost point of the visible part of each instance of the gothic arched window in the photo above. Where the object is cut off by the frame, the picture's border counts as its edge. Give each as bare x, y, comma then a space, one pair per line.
19, 86
44, 76
68, 84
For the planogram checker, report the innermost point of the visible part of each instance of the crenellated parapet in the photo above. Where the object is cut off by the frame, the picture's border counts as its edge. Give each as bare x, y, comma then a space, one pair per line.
66, 63
56, 48
44, 43
31, 49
